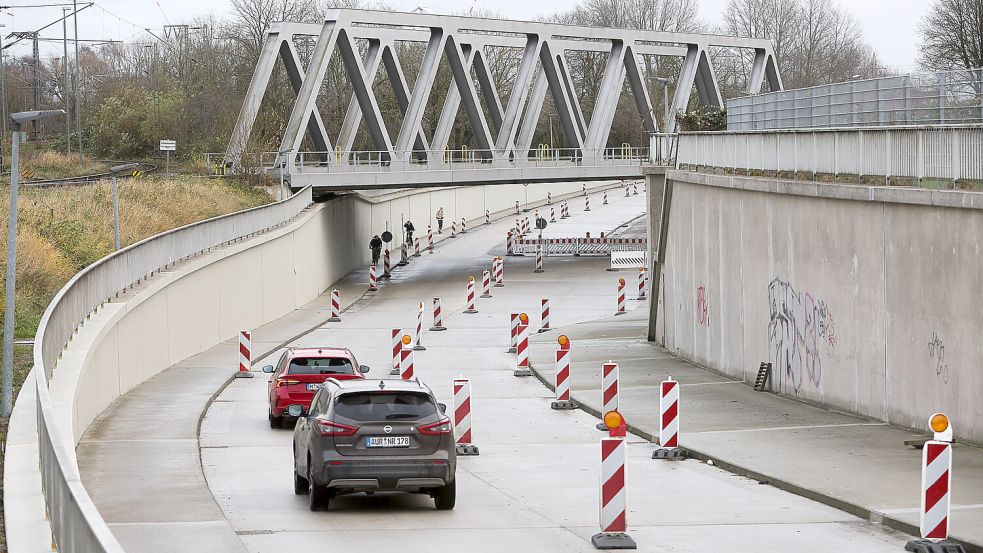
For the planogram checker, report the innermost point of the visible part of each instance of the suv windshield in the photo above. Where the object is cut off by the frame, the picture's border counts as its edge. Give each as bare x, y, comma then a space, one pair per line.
384, 406
321, 365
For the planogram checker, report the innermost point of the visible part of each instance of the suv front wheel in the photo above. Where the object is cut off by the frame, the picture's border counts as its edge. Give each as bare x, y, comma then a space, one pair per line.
445, 497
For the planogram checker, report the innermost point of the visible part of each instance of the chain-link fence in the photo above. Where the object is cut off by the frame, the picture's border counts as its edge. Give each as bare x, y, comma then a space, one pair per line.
946, 97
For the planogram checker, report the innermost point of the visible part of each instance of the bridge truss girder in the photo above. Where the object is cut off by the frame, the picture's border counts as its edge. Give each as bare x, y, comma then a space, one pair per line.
507, 132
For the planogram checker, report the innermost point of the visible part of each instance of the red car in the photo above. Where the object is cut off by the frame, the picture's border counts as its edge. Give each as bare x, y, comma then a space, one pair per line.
301, 371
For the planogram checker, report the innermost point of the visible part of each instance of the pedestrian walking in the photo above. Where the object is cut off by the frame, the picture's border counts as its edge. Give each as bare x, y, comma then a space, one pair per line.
376, 246
440, 220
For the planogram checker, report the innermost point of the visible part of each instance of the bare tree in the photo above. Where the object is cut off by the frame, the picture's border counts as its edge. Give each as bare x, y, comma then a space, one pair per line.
952, 35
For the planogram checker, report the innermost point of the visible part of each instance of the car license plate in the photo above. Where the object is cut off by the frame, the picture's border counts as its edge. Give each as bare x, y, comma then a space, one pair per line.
313, 387
387, 441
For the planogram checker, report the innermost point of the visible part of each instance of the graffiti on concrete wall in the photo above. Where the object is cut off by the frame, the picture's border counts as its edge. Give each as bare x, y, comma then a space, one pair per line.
799, 325
702, 307
936, 351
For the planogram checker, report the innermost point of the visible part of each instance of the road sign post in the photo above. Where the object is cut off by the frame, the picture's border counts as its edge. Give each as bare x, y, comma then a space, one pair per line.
168, 146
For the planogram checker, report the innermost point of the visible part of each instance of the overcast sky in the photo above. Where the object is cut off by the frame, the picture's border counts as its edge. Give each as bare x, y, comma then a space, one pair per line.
889, 25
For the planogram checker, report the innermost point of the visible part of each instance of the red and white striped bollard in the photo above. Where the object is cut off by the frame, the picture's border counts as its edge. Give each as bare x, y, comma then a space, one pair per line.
397, 345
552, 215
453, 229
513, 331
404, 259
487, 217
545, 320
462, 417
509, 243
372, 279
245, 354
385, 263
522, 347
609, 387
621, 297
586, 202
561, 374
470, 309
406, 358
605, 202
464, 225
416, 248
539, 256
418, 342
641, 283
614, 504
430, 238
668, 422
485, 284
438, 323
335, 306
936, 490
499, 270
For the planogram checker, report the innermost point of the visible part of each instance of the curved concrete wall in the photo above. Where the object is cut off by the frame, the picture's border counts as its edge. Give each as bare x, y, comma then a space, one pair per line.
863, 298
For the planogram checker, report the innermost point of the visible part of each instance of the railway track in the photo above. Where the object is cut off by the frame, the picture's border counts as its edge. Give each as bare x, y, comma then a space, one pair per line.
144, 168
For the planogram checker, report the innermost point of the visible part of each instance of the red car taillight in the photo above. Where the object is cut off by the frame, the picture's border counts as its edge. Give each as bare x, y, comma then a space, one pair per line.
285, 382
328, 428
437, 428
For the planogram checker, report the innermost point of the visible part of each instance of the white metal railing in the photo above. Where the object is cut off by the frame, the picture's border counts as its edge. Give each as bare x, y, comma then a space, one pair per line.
946, 153
381, 161
944, 97
76, 524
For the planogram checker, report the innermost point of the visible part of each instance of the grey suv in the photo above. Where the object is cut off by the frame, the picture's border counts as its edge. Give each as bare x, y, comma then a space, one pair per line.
374, 435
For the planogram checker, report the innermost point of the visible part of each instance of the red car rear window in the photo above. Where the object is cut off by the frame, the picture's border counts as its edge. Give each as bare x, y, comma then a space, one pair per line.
321, 365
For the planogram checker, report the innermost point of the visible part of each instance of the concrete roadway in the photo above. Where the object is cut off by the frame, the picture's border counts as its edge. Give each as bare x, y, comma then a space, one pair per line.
535, 484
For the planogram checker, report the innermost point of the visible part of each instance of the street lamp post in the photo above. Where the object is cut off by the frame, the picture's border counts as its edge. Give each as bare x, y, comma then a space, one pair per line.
114, 171
16, 120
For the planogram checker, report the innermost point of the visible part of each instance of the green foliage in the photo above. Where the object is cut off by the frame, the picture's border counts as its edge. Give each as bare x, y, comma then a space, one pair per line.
703, 119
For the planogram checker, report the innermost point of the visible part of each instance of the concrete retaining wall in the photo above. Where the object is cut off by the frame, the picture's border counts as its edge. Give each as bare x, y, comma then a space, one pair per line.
863, 298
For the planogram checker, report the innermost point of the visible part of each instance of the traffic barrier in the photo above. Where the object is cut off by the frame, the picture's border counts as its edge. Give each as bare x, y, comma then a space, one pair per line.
462, 417
549, 198
936, 490
485, 284
418, 342
513, 332
641, 283
453, 229
578, 246
614, 505
635, 188
499, 269
464, 226
397, 343
627, 259
564, 210
562, 375
552, 215
470, 303
669, 422
406, 359
335, 306
430, 238
605, 198
544, 325
526, 225
509, 243
416, 248
539, 258
372, 279
385, 263
438, 323
522, 347
621, 297
487, 217
627, 190
404, 259
518, 226
586, 202
517, 207
245, 354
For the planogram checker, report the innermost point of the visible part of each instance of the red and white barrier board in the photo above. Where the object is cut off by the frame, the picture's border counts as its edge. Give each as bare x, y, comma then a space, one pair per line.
499, 271
614, 504
513, 331
485, 284
418, 341
936, 487
669, 414
462, 411
621, 297
438, 322
372, 279
545, 324
609, 387
471, 309
245, 351
397, 345
335, 306
406, 359
581, 246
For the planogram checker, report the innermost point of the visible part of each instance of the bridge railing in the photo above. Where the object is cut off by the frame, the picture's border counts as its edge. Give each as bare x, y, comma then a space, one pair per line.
939, 156
362, 161
76, 524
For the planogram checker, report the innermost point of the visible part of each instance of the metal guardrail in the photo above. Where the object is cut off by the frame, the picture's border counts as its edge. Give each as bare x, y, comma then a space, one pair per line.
945, 97
360, 161
949, 153
76, 524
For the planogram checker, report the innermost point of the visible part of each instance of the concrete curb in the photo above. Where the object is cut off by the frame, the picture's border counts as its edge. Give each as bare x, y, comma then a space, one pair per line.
785, 485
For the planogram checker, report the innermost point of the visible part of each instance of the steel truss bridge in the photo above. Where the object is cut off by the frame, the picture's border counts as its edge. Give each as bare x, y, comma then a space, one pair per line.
503, 134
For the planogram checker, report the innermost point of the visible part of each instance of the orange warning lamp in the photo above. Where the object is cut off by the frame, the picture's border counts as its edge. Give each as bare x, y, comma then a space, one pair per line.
939, 423
613, 419
471, 278
563, 340
406, 339
523, 318
621, 281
